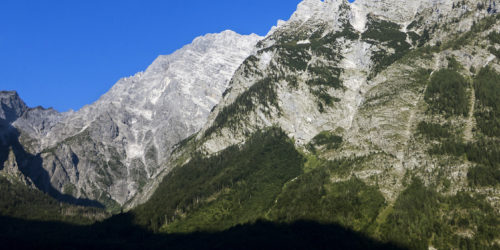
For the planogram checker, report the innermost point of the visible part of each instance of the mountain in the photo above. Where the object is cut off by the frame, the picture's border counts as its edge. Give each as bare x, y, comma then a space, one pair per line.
378, 117
12, 106
372, 116
108, 150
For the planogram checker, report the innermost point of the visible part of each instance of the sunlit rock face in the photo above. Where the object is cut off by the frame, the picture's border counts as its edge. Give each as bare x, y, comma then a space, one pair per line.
333, 66
346, 69
108, 150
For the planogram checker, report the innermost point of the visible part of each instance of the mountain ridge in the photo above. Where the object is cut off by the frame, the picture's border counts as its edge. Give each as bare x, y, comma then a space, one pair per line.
365, 109
138, 116
378, 118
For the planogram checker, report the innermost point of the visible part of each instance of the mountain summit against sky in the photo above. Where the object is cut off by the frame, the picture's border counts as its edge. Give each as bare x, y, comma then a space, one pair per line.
372, 117
387, 108
108, 150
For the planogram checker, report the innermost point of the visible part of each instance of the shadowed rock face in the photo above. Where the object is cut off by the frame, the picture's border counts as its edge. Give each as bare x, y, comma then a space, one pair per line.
11, 106
24, 167
108, 150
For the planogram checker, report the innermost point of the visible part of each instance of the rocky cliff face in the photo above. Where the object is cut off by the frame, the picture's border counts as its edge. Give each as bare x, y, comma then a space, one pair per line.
108, 150
374, 116
12, 107
316, 72
361, 90
326, 57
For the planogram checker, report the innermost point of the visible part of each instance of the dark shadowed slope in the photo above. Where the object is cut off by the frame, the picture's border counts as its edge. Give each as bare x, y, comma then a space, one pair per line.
119, 233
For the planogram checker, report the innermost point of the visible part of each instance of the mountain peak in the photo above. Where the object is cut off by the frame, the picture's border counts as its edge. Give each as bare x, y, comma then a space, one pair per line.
328, 10
324, 9
224, 38
399, 11
204, 43
8, 93
141, 117
11, 106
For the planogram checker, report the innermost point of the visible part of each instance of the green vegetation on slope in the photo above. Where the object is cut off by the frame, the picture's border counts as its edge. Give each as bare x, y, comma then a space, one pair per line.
495, 52
422, 217
463, 39
323, 75
433, 131
262, 92
264, 179
393, 40
19, 201
313, 196
236, 186
325, 139
487, 89
294, 56
412, 221
447, 93
453, 64
494, 37
383, 31
484, 152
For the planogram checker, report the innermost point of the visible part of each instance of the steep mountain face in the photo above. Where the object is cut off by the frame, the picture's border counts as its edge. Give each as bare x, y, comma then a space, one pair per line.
378, 116
108, 150
393, 111
298, 68
335, 49
12, 106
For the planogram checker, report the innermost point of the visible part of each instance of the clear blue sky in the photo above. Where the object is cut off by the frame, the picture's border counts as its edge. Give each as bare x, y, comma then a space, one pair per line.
66, 53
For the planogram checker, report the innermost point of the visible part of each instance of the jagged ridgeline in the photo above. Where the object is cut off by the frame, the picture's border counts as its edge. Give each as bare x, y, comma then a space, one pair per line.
386, 125
376, 121
106, 152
